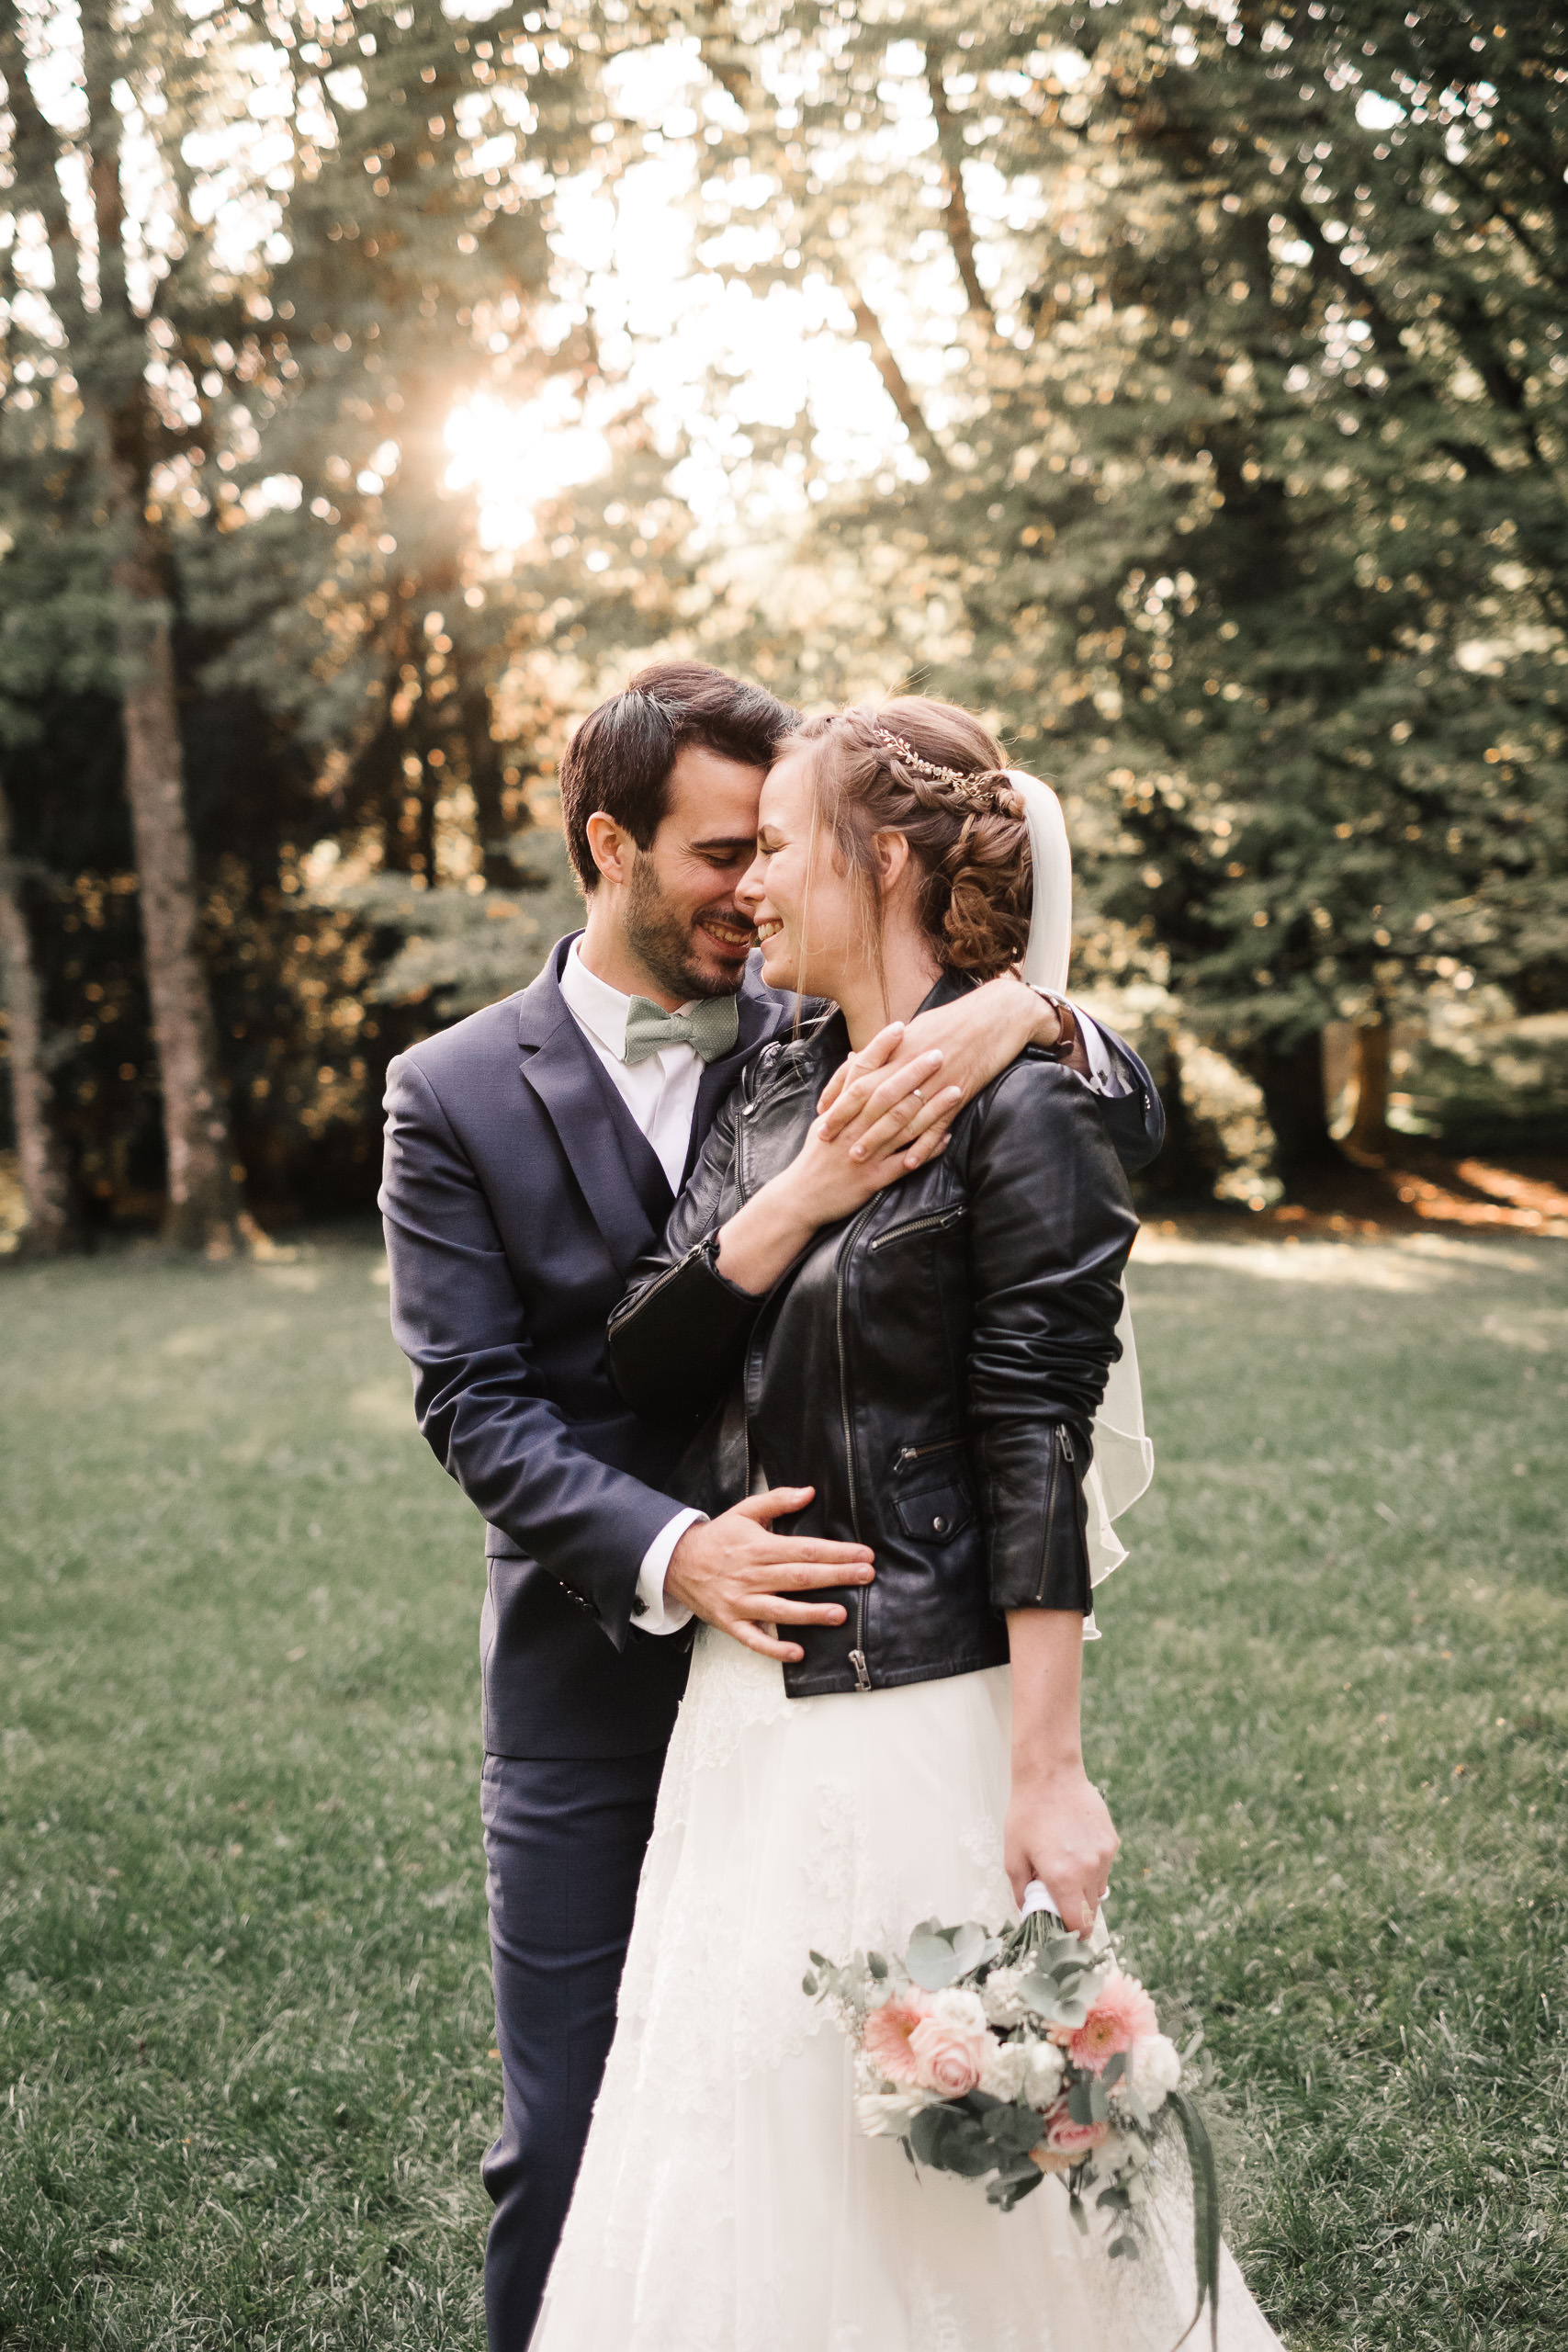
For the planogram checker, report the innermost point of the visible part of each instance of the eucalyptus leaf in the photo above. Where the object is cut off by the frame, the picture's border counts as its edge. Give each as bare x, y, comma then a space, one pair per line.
969, 1945
1017, 2181
950, 2140
1013, 2129
1113, 2070
933, 1958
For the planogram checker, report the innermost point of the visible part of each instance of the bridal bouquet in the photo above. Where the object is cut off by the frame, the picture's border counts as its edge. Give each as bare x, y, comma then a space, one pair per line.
1006, 2057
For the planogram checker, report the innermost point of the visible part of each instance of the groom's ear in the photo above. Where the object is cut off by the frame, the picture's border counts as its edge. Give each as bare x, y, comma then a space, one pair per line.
611, 847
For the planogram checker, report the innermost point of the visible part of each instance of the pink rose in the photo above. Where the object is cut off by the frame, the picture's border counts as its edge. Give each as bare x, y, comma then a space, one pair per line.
951, 2058
889, 2035
1123, 2013
1065, 2143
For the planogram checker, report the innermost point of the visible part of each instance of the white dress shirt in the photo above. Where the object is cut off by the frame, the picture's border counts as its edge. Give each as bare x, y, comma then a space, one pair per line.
661, 1092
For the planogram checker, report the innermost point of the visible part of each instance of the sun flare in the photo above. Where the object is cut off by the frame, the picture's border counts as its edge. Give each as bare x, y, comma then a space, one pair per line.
515, 457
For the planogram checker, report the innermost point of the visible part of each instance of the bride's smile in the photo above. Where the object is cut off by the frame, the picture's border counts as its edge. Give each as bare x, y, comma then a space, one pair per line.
827, 927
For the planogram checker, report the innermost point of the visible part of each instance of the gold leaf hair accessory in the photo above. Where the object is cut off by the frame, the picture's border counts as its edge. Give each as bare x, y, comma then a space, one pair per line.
968, 787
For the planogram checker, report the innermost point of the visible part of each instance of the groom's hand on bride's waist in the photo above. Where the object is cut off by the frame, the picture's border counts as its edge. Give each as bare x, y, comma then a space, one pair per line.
735, 1573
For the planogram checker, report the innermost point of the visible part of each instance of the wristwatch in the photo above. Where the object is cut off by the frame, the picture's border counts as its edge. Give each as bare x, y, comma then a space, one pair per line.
1066, 1043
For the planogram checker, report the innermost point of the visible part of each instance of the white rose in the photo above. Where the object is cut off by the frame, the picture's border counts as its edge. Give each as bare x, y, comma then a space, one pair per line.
887, 2115
1042, 2076
1006, 2070
1157, 2069
962, 2011
999, 1997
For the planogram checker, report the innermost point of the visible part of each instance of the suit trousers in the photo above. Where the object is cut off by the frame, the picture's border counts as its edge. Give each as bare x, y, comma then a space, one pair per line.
564, 1843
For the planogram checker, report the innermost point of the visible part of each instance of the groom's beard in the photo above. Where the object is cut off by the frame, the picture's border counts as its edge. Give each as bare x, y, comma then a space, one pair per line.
671, 945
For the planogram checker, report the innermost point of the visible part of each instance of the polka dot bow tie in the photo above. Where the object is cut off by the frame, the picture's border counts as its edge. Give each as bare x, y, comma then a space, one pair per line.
710, 1028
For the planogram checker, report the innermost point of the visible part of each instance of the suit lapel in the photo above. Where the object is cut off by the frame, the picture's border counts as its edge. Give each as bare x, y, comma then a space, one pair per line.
613, 1161
763, 1015
595, 1129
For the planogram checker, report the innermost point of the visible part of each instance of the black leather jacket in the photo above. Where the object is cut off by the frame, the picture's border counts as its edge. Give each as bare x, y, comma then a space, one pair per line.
931, 1364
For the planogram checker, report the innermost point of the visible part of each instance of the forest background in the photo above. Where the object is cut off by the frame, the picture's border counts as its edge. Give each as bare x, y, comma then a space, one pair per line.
1184, 387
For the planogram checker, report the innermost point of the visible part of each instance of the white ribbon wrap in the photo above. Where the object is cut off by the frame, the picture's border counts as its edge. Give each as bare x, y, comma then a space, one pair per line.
1123, 1458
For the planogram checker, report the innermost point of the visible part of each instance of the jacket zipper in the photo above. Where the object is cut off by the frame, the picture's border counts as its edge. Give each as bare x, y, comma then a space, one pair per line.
1064, 1451
920, 1225
917, 1453
857, 1655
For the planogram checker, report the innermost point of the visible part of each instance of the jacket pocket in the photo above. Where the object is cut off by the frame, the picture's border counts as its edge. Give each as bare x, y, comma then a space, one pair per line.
936, 1514
935, 1221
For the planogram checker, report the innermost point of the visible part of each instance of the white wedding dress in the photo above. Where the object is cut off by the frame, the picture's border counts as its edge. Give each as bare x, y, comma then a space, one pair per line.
727, 2202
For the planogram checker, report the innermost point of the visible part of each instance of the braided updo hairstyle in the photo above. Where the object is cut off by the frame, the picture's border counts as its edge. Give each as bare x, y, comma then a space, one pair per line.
932, 773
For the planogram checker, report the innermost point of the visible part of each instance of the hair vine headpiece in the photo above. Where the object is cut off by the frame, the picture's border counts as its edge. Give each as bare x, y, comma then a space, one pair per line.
970, 787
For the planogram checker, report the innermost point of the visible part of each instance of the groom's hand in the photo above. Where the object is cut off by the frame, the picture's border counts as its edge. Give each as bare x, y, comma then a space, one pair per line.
735, 1573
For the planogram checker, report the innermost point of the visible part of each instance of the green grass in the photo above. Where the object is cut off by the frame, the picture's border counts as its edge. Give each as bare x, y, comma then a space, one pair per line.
243, 1994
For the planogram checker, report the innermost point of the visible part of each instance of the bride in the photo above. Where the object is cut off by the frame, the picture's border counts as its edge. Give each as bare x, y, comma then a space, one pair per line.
923, 1363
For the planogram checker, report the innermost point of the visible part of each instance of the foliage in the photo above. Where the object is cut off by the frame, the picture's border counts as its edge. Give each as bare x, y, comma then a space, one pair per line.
1209, 433
1234, 397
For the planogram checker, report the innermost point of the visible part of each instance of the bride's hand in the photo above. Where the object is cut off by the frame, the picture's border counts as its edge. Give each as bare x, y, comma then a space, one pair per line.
1059, 1830
824, 1181
828, 1179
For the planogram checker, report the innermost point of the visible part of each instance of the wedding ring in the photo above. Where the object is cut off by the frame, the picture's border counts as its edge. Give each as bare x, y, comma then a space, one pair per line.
918, 1096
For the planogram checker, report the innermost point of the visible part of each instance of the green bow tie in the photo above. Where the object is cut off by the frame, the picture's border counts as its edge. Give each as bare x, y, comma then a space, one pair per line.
710, 1028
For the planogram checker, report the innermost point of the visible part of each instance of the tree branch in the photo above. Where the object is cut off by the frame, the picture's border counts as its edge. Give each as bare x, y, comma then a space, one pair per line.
960, 229
897, 385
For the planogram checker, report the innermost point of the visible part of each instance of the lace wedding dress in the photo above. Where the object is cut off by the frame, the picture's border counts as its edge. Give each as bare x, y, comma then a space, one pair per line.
727, 2202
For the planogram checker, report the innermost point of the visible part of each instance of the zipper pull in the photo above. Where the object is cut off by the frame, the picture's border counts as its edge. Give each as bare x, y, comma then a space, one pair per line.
1066, 1442
862, 1672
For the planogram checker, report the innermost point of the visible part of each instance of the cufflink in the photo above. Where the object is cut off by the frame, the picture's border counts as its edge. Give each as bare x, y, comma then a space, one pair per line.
639, 1606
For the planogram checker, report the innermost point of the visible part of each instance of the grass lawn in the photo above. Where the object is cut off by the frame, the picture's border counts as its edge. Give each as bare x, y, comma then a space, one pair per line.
243, 1989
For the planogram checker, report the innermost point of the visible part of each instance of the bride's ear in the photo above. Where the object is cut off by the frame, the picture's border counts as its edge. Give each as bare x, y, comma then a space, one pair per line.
891, 850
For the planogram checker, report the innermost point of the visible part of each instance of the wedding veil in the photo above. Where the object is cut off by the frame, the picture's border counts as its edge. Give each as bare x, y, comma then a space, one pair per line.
1123, 1458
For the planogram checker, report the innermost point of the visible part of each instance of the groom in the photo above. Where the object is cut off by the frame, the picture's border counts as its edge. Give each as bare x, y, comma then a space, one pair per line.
532, 1153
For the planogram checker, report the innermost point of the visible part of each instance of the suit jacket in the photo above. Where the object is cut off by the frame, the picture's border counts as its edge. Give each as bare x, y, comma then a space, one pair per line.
517, 1194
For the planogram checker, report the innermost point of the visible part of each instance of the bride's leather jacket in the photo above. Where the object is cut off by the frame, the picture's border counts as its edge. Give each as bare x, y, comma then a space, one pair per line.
930, 1365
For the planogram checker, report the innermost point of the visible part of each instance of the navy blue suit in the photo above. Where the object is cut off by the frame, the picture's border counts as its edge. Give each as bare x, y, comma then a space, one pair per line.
517, 1193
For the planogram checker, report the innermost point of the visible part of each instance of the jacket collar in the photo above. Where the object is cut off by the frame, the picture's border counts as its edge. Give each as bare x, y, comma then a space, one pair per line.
825, 1045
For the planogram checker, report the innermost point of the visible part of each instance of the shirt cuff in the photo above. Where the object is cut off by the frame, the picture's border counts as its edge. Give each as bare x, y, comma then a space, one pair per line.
1108, 1073
651, 1614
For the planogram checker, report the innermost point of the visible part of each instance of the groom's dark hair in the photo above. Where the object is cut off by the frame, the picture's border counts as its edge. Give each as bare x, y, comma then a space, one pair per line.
620, 758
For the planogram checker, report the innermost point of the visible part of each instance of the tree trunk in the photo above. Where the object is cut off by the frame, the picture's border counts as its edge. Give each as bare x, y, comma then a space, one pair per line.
1291, 1078
204, 1208
51, 1224
486, 781
1369, 1123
